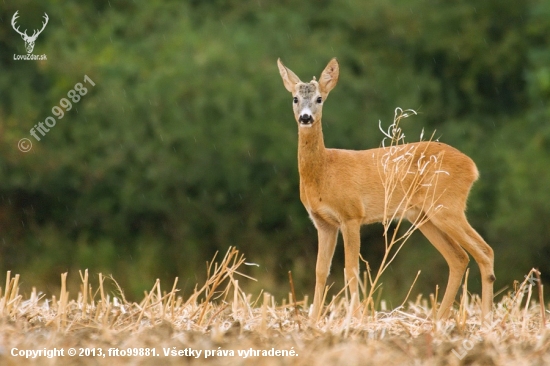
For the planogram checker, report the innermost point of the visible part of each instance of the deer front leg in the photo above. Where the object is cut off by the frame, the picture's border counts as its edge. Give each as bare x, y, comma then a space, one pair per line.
327, 242
352, 243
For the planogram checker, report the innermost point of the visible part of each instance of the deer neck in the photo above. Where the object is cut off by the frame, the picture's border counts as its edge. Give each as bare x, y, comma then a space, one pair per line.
311, 153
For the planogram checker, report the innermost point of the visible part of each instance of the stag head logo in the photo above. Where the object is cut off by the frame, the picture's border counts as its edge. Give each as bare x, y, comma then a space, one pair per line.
29, 40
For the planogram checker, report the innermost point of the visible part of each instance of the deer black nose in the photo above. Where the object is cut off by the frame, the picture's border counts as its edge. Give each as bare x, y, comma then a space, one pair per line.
306, 118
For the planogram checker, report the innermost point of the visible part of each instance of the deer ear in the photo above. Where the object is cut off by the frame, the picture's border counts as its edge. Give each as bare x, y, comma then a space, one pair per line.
329, 77
289, 78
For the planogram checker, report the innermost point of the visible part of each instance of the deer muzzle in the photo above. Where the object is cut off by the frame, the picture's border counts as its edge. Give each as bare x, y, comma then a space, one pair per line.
305, 119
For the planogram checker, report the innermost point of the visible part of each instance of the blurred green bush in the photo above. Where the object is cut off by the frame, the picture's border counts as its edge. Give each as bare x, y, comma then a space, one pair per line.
187, 144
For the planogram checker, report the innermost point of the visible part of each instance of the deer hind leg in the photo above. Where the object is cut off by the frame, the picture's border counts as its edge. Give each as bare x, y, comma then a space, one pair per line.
351, 232
327, 235
456, 258
459, 230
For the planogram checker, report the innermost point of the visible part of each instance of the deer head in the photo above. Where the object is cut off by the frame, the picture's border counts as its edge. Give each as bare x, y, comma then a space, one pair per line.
308, 98
29, 40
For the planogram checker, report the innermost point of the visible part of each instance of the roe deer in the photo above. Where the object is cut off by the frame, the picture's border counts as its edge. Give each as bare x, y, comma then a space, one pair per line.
343, 189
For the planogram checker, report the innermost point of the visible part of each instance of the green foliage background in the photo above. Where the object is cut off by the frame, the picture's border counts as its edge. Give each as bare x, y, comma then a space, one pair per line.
187, 143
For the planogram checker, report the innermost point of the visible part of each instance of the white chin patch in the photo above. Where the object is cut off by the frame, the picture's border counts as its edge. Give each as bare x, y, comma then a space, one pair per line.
306, 125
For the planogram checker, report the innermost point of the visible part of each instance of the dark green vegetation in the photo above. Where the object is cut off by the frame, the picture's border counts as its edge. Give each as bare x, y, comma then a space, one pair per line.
187, 143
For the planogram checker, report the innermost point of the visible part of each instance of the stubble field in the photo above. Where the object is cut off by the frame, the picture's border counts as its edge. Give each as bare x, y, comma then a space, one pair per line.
219, 324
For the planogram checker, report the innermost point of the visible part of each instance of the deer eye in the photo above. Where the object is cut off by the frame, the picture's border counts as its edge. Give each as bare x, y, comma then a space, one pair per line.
295, 100
319, 100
